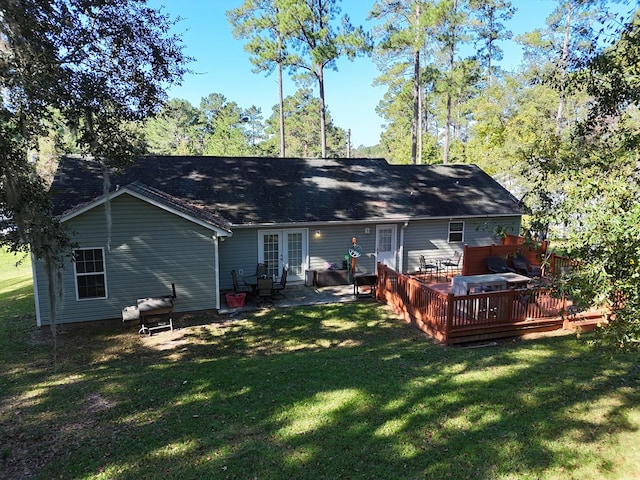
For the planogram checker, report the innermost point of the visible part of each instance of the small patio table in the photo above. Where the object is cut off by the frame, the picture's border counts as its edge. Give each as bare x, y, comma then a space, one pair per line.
252, 281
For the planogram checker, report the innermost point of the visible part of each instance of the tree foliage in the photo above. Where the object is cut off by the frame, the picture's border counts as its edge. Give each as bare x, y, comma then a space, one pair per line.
90, 65
601, 207
402, 33
217, 127
258, 21
303, 128
316, 42
178, 129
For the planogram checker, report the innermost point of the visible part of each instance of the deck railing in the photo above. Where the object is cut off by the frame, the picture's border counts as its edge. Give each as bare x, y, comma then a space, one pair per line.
450, 318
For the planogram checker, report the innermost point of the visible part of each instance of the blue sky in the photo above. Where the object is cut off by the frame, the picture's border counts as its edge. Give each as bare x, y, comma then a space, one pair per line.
222, 66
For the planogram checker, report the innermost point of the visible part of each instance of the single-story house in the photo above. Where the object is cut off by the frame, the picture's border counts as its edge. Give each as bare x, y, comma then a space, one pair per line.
189, 221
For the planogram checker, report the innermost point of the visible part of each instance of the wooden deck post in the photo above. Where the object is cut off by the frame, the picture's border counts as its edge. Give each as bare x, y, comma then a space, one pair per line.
449, 320
510, 305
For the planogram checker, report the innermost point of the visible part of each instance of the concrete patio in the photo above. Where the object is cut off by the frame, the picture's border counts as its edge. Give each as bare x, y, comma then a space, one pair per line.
297, 295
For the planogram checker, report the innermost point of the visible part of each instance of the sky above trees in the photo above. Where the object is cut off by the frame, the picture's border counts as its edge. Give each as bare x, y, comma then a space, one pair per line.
222, 66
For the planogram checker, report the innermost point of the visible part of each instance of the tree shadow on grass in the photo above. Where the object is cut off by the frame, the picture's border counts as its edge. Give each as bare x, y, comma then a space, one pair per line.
343, 391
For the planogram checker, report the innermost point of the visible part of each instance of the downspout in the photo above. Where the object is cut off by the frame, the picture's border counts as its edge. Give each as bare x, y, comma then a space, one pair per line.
216, 269
401, 252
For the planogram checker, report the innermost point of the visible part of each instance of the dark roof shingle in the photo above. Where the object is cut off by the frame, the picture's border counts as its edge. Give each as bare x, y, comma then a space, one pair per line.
259, 190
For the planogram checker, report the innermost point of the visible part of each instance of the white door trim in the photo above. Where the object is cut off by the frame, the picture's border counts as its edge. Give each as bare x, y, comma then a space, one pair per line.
285, 257
387, 244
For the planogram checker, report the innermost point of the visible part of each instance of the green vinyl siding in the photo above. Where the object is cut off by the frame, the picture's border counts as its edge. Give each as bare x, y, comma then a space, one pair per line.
333, 244
147, 250
431, 237
239, 252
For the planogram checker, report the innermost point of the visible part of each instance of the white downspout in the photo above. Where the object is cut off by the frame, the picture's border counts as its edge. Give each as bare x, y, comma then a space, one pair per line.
401, 260
216, 270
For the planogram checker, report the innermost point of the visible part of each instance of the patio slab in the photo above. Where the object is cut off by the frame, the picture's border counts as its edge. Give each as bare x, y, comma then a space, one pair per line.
298, 295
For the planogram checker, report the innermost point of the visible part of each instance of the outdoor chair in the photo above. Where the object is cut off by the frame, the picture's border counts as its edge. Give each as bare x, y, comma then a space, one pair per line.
237, 288
261, 269
523, 266
264, 292
497, 264
426, 267
452, 263
281, 285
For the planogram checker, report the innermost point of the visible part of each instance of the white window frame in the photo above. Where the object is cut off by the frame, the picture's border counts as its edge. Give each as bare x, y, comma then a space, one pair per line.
456, 232
77, 275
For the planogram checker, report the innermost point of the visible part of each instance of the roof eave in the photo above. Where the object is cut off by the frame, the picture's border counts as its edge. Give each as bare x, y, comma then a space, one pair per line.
219, 231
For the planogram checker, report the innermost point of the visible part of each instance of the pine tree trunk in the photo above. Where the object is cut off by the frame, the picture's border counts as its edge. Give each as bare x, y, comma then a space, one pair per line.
281, 105
563, 70
323, 128
416, 105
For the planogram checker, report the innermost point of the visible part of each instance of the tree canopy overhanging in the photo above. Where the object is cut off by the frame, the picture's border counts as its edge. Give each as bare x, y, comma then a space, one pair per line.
90, 66
93, 67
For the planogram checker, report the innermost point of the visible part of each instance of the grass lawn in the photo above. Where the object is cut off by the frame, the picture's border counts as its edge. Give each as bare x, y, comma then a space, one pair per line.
339, 391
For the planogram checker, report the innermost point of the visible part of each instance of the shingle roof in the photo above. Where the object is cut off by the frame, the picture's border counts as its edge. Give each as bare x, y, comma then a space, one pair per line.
159, 197
259, 190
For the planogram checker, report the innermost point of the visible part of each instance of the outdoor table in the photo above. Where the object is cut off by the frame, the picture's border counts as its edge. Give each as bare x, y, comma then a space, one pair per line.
252, 281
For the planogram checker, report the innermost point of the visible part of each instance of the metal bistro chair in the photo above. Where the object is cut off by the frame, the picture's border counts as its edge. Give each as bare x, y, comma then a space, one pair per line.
429, 268
264, 292
452, 263
237, 288
280, 286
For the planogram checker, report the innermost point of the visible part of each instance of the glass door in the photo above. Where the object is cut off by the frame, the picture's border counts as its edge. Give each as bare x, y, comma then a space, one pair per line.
386, 245
284, 248
271, 253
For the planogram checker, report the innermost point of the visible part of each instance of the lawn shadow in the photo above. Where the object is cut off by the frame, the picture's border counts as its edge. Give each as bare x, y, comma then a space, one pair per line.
338, 391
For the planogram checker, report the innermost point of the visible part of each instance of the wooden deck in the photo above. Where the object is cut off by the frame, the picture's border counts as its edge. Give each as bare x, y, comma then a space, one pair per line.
431, 307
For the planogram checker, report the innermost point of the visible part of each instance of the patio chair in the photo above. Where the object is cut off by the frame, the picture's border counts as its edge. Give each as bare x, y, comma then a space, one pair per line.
261, 269
278, 287
237, 288
264, 292
523, 266
497, 264
426, 267
452, 263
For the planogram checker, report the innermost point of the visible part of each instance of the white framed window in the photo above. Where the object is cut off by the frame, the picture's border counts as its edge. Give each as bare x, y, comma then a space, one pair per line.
456, 232
90, 273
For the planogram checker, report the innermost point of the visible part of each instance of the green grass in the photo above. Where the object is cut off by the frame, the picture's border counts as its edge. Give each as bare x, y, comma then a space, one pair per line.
339, 391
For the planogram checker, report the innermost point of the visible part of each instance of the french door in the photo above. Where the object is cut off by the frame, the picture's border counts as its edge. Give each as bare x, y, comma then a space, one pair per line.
284, 248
